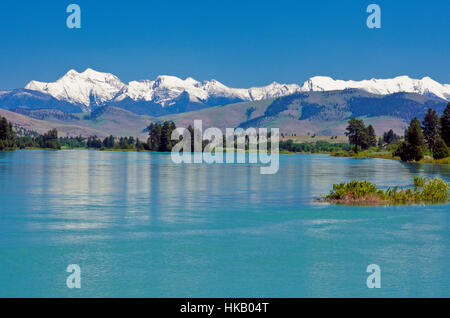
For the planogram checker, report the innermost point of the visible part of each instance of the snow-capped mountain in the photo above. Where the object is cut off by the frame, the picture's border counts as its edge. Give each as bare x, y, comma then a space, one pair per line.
85, 89
91, 88
165, 89
168, 94
424, 86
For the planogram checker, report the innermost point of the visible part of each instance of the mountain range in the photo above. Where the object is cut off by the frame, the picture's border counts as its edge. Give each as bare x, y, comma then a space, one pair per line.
86, 91
320, 105
164, 95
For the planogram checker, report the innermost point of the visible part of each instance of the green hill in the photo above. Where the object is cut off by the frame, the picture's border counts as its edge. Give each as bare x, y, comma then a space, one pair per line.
322, 113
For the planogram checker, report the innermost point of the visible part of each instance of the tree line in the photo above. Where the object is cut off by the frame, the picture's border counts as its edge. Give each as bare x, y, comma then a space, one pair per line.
319, 146
159, 139
49, 140
7, 136
121, 143
160, 136
432, 136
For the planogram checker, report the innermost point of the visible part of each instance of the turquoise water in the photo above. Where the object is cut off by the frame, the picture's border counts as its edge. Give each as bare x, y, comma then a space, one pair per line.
140, 226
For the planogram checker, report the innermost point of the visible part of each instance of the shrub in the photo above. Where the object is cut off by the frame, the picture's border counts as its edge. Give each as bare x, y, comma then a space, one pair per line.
440, 149
435, 190
409, 152
425, 190
354, 189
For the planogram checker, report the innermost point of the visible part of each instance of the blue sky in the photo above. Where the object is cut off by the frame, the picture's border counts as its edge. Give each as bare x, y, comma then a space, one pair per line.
240, 43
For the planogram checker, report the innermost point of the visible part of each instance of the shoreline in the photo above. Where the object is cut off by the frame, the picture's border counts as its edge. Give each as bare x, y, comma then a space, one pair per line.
388, 156
362, 155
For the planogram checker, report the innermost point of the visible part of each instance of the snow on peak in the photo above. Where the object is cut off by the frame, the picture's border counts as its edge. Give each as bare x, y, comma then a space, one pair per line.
424, 86
164, 89
81, 88
93, 88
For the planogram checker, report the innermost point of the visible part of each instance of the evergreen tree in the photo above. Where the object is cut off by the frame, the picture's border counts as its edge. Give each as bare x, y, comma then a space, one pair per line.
3, 128
414, 134
166, 133
108, 142
390, 137
123, 143
94, 142
192, 134
7, 135
160, 136
440, 149
50, 140
154, 140
430, 126
413, 146
139, 145
445, 125
356, 133
371, 136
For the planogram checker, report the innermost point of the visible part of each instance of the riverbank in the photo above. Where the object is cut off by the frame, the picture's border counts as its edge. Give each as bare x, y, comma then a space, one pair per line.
387, 155
360, 155
281, 152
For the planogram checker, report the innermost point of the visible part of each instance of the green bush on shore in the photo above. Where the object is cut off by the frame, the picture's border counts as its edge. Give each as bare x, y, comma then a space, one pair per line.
440, 149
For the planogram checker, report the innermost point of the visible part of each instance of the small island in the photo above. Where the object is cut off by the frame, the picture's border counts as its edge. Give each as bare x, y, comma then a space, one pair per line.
425, 191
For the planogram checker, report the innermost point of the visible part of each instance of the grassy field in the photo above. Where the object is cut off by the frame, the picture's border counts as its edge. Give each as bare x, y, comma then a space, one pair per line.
310, 139
366, 154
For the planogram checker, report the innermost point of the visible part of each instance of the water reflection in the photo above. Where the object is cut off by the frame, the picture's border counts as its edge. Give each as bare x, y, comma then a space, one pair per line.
91, 189
144, 226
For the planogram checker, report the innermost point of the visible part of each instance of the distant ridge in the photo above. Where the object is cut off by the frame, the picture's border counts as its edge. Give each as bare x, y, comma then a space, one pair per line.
321, 113
91, 89
425, 86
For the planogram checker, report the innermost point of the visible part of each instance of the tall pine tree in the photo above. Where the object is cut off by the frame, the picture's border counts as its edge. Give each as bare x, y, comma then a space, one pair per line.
154, 140
356, 133
445, 125
413, 146
371, 136
166, 136
7, 136
430, 126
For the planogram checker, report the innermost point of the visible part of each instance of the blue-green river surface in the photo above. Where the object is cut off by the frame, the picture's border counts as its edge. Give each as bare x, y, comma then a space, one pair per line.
139, 225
